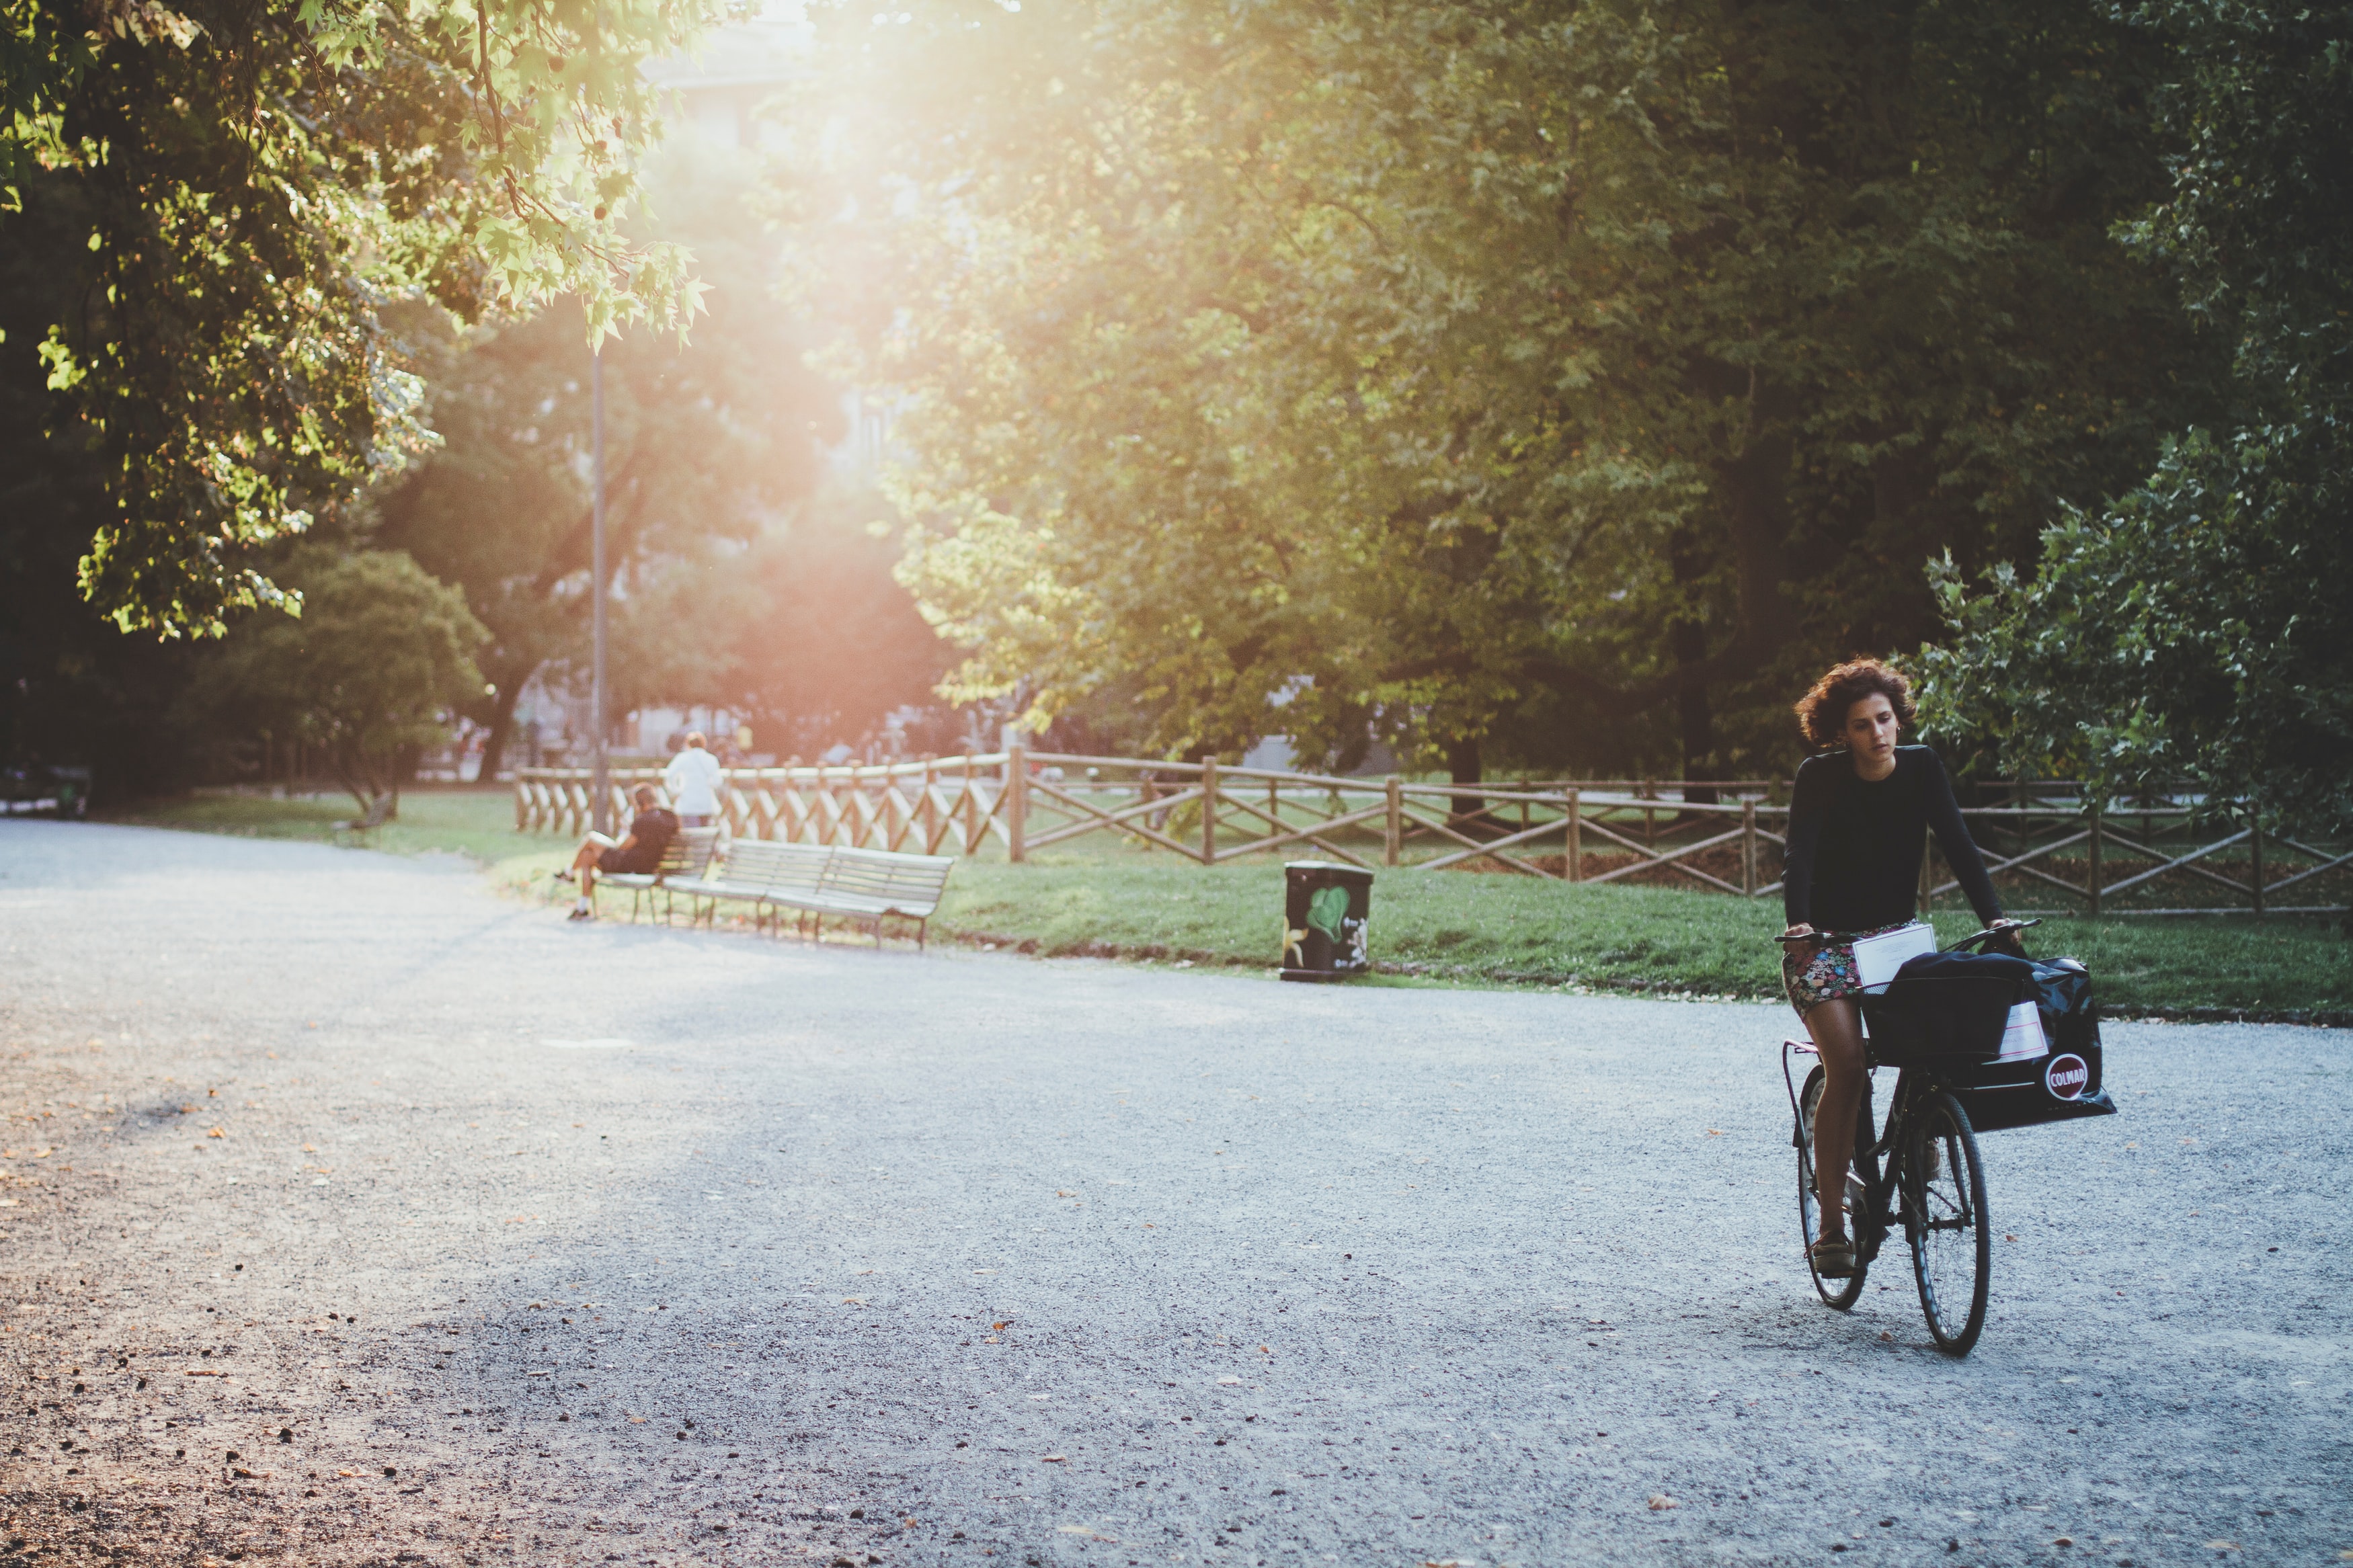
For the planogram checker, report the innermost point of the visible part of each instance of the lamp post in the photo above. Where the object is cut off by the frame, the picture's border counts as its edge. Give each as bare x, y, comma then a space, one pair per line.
601, 813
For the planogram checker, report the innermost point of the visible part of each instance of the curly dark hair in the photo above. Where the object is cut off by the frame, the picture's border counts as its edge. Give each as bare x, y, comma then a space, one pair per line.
1821, 713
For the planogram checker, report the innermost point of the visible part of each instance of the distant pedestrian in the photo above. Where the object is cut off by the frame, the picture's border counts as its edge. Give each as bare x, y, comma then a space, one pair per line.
639, 851
692, 779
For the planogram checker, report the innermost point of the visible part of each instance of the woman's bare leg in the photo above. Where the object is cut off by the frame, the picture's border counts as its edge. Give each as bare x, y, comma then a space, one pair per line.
584, 864
1837, 1029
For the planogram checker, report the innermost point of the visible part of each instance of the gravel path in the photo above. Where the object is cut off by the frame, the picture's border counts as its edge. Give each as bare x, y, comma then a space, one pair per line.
358, 1215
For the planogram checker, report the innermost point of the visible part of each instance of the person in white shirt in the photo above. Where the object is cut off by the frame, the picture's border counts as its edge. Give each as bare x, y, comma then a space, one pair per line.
692, 779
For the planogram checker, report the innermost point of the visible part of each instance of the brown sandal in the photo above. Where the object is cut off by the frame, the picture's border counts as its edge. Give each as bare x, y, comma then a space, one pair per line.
1833, 1260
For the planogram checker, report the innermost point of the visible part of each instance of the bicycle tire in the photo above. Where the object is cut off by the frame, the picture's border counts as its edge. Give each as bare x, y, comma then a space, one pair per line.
1841, 1294
1943, 1198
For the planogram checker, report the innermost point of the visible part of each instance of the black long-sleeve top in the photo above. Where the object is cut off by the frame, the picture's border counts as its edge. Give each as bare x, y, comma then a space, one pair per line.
1853, 861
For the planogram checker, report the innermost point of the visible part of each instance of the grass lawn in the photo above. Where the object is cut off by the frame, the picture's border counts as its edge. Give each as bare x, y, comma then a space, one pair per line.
1429, 927
1519, 931
476, 822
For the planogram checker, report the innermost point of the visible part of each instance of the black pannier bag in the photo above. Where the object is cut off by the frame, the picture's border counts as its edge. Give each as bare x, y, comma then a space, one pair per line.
1947, 1012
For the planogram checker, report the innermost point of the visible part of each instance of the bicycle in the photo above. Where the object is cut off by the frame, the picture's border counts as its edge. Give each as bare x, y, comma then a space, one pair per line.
1923, 1172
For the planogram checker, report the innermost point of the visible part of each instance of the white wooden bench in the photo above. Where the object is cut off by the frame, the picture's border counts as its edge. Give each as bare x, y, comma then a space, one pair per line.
684, 857
818, 879
751, 870
876, 885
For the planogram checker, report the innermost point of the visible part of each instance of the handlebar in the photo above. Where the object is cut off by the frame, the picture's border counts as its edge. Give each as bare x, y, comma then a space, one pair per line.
1969, 941
1989, 933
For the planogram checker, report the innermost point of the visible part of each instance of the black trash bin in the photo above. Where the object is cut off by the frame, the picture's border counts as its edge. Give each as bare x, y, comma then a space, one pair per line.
1326, 910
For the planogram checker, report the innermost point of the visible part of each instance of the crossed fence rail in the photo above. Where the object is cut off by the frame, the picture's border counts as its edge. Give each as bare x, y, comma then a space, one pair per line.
1725, 837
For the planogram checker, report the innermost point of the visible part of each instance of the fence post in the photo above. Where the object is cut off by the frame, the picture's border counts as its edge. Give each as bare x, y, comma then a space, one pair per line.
1394, 832
931, 806
1576, 836
2092, 885
1748, 848
968, 802
2255, 870
1017, 804
1209, 809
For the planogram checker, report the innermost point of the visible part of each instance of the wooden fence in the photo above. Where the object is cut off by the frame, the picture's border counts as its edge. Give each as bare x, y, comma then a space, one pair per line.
1725, 837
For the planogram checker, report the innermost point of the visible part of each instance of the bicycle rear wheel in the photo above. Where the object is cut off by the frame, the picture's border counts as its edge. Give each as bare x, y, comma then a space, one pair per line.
1945, 1219
1839, 1293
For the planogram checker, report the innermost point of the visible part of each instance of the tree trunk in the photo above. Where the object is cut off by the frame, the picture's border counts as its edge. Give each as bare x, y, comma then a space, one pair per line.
353, 772
1698, 727
1463, 768
1687, 639
494, 745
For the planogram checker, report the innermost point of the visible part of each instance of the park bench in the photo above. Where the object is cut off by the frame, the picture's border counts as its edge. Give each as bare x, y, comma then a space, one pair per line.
752, 868
379, 811
684, 858
876, 885
866, 885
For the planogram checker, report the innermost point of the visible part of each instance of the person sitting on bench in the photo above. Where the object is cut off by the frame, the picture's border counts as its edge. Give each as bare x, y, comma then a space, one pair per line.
639, 852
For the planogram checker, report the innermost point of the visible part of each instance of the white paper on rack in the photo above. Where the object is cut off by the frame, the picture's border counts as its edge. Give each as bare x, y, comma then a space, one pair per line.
2022, 1039
1877, 958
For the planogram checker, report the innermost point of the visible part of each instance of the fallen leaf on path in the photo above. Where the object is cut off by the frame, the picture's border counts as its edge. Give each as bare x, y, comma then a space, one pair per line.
310, 1148
215, 1133
1054, 1460
1662, 1502
1000, 1328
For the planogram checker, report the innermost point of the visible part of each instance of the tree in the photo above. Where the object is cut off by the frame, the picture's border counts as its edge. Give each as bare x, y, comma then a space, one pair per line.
72, 688
706, 445
805, 633
257, 180
376, 666
2198, 628
1473, 371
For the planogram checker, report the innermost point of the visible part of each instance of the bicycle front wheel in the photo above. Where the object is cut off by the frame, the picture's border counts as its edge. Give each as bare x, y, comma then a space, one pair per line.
1839, 1293
1945, 1219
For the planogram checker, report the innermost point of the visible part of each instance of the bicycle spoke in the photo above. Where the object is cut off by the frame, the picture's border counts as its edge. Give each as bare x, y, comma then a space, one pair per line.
1944, 1188
1838, 1293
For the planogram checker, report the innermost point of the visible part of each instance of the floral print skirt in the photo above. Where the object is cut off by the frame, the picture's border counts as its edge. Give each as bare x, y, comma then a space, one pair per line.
1827, 972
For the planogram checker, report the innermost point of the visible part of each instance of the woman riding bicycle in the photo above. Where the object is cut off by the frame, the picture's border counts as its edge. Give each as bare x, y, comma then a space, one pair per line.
1858, 825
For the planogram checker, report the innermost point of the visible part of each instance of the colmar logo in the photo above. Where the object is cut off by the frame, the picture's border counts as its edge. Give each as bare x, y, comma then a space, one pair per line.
2066, 1076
